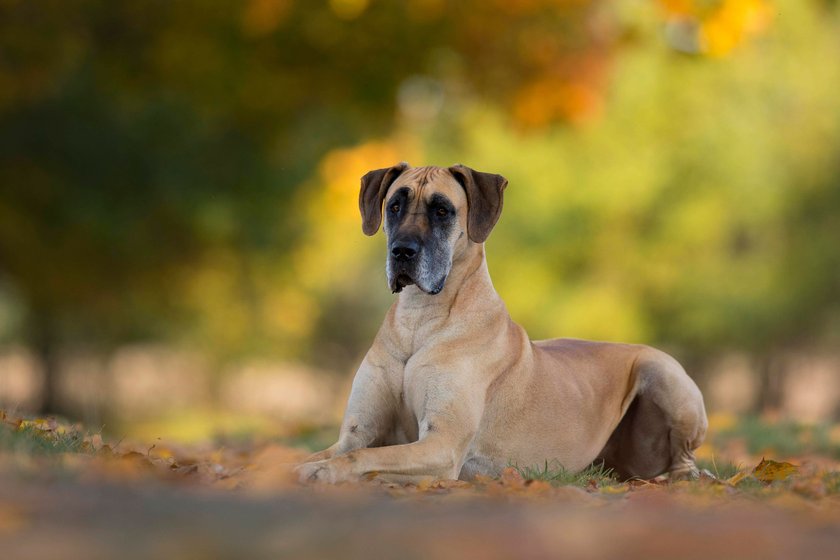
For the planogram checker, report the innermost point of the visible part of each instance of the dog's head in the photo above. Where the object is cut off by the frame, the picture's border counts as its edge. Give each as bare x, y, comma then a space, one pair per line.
432, 215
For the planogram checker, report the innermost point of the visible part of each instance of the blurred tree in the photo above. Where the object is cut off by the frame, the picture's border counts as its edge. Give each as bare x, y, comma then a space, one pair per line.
188, 170
142, 141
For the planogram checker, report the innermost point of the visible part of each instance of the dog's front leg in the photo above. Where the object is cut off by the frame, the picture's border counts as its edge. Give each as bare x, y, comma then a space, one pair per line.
369, 414
445, 435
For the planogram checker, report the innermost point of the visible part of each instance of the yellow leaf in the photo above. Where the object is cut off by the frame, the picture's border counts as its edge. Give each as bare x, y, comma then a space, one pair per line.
769, 471
424, 484
43, 424
618, 489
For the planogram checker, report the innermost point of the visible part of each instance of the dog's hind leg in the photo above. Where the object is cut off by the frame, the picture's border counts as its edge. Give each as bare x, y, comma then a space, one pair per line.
663, 426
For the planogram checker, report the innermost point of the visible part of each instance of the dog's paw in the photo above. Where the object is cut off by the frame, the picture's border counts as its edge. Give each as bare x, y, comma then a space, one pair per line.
687, 472
332, 471
316, 471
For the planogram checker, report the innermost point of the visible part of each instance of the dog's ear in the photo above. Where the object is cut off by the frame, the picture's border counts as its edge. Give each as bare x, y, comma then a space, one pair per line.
484, 200
374, 186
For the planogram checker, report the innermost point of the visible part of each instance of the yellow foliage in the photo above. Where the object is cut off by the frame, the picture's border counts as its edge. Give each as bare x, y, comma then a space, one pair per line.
213, 289
601, 312
334, 246
722, 421
722, 25
289, 311
732, 23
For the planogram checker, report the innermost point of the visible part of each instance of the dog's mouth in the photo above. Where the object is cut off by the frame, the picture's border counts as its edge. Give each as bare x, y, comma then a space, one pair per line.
402, 274
400, 281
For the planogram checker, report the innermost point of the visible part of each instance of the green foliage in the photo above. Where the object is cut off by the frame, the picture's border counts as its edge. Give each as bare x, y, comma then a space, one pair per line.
721, 469
785, 438
31, 440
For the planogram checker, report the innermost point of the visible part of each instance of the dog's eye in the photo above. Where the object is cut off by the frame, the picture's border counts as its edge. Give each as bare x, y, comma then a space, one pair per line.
395, 208
442, 212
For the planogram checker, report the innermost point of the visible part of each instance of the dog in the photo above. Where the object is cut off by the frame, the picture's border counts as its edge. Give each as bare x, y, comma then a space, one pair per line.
453, 388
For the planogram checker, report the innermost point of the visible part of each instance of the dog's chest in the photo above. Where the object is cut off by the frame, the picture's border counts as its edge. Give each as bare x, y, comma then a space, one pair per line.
412, 398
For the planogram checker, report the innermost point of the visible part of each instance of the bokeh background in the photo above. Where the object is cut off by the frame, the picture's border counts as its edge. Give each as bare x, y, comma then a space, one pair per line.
180, 248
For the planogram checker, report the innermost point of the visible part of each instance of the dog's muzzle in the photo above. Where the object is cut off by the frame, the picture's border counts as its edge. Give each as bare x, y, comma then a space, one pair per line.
403, 263
409, 263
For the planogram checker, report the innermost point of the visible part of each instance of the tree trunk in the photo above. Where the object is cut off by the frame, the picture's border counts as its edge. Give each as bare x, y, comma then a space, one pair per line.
44, 344
771, 379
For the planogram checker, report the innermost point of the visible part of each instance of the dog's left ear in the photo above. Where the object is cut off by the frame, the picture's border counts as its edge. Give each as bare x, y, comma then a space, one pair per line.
484, 200
374, 187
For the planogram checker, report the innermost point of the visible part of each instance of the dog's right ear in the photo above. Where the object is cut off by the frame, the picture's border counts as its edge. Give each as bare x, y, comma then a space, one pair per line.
374, 187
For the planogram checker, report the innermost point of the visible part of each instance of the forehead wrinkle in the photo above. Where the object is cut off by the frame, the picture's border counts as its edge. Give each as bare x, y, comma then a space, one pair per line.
428, 175
422, 181
416, 180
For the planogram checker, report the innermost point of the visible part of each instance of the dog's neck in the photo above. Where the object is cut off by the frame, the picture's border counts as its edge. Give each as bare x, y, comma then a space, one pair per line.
468, 275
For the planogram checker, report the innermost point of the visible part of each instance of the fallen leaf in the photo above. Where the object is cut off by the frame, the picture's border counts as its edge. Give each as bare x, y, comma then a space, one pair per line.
449, 483
537, 487
616, 489
770, 471
424, 484
511, 477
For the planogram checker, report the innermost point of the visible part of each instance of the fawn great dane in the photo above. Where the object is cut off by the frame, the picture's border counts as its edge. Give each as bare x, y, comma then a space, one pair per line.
452, 387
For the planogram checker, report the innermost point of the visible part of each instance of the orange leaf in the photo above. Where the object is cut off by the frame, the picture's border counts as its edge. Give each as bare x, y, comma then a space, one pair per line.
511, 477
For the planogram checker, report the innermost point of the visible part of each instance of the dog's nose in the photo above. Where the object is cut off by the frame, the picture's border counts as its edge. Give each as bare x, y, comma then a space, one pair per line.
405, 249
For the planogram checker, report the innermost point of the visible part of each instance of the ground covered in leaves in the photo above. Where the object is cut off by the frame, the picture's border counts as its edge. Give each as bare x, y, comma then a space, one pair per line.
65, 492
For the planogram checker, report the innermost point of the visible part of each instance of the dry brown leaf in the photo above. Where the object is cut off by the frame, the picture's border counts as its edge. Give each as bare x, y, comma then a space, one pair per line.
447, 484
511, 477
538, 487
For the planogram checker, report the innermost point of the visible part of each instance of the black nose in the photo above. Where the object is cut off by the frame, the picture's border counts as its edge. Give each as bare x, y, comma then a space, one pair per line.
405, 249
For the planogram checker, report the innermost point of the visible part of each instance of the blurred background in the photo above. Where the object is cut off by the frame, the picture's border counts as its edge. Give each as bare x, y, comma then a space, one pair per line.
181, 253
